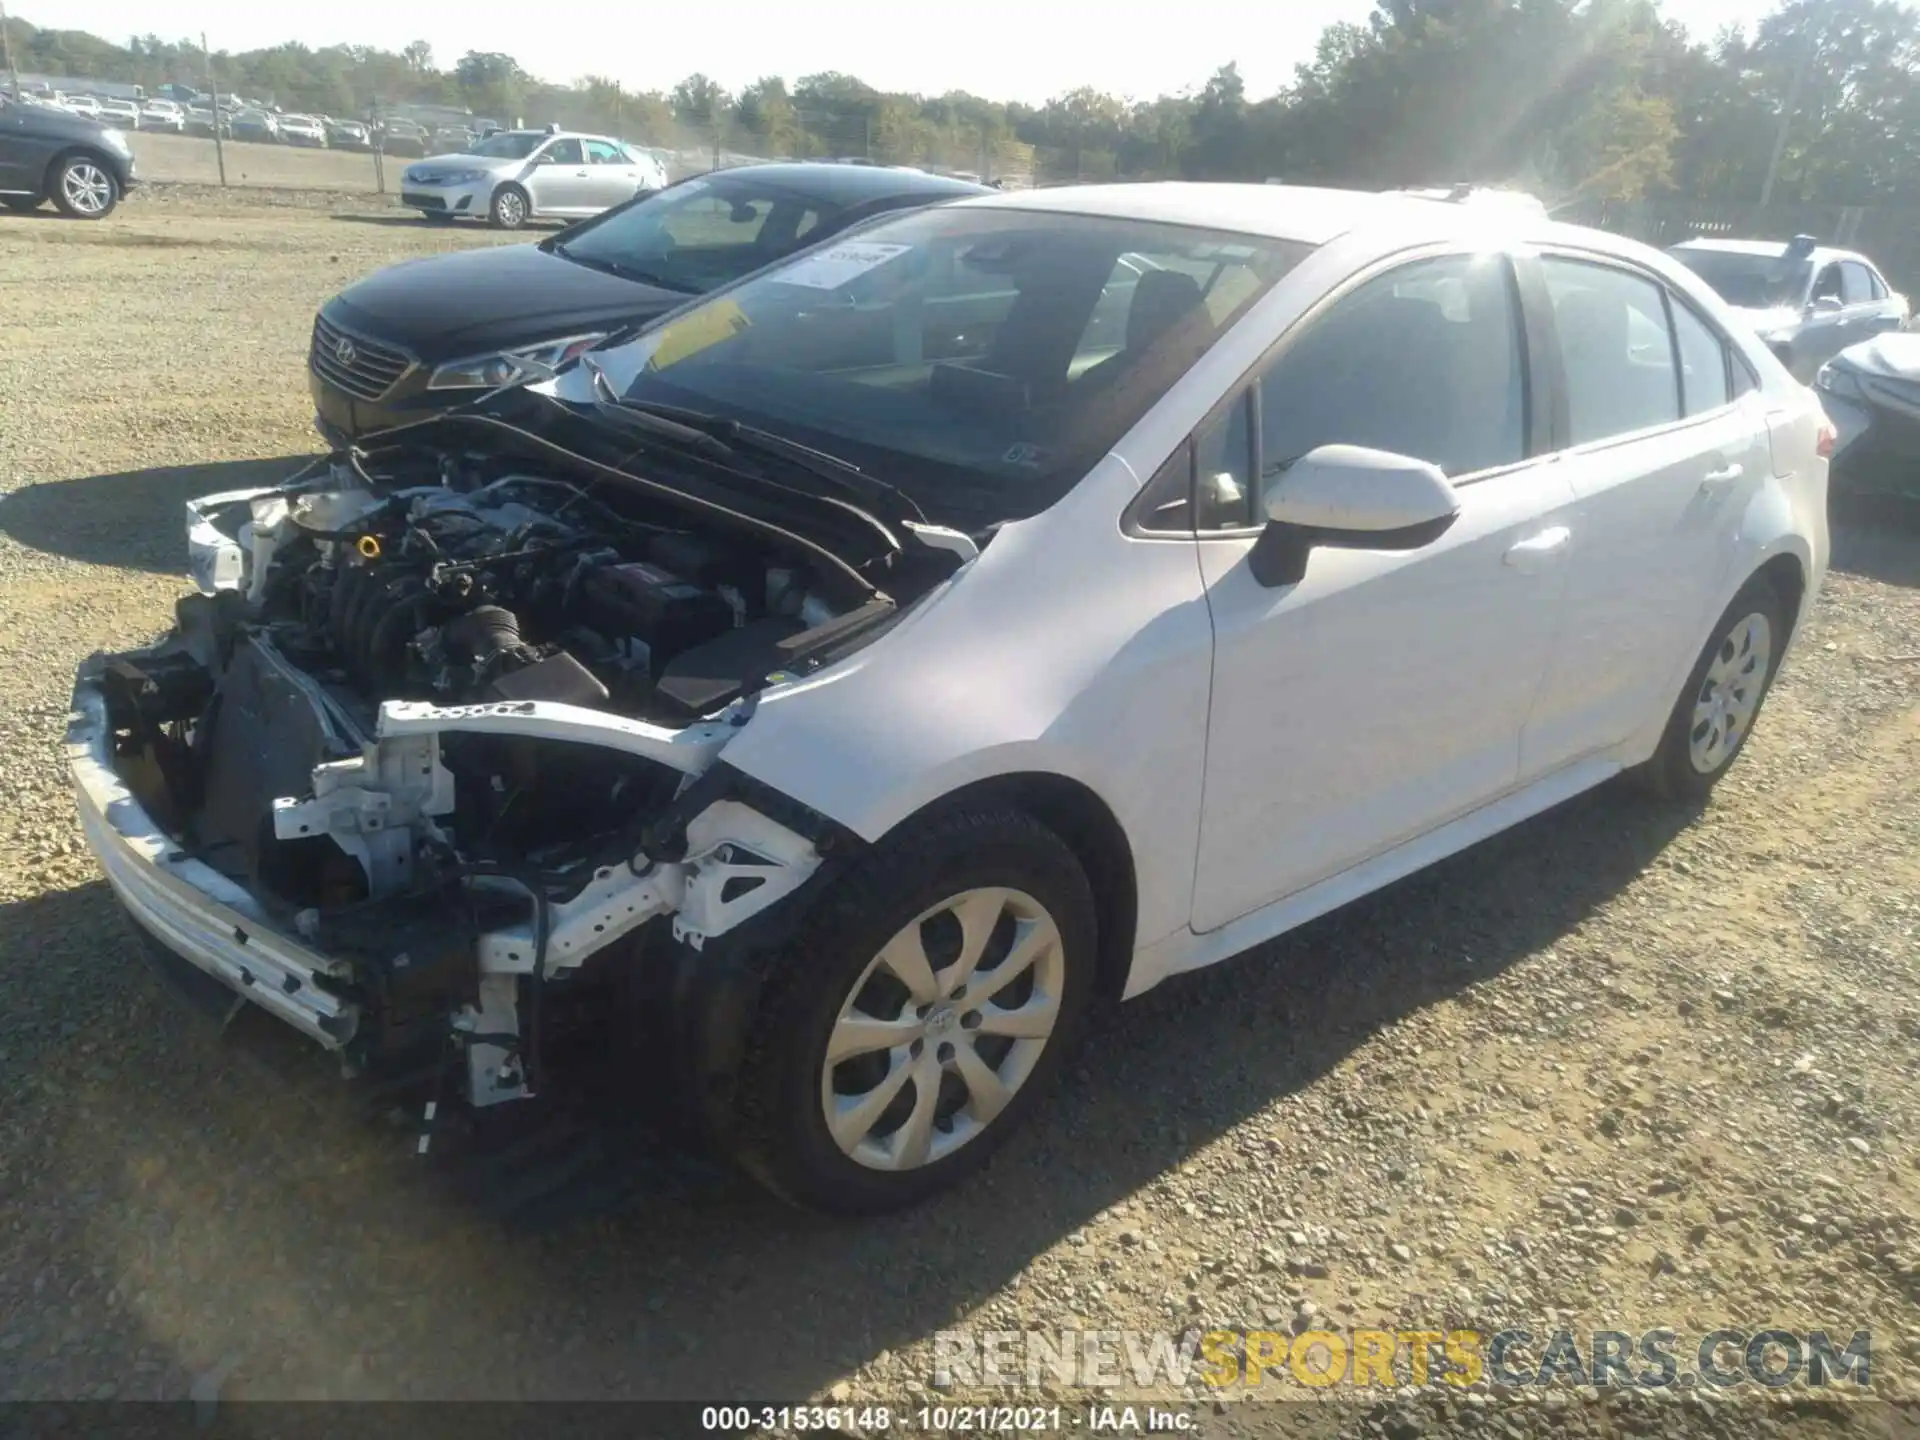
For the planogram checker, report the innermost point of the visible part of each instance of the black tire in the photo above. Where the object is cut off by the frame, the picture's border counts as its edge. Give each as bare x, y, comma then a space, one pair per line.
509, 208
778, 1129
22, 203
80, 172
1676, 771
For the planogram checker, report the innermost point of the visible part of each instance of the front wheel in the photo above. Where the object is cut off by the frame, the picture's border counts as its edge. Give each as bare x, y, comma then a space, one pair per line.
918, 1015
1717, 709
84, 188
509, 208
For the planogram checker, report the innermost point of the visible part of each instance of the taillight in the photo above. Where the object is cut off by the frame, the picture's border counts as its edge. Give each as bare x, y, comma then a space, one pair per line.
1825, 438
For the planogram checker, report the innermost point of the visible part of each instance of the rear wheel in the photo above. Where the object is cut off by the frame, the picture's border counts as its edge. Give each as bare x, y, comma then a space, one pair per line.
509, 208
918, 1015
1717, 709
83, 187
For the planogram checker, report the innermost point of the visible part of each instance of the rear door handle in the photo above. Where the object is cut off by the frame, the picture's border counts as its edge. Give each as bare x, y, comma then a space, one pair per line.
1531, 553
1721, 478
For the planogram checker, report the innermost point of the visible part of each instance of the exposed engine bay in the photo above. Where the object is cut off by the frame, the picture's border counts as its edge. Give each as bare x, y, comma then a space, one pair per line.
445, 722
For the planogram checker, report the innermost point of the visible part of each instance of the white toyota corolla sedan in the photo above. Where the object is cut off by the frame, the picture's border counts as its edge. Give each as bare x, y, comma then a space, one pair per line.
1003, 605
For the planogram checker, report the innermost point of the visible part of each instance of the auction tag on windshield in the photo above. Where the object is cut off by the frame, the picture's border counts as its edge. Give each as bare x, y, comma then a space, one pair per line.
834, 266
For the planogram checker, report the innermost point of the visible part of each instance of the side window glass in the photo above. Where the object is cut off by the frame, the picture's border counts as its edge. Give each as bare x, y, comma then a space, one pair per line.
1827, 285
1615, 349
1856, 285
1166, 505
1879, 286
1223, 471
602, 152
564, 152
1423, 361
1745, 381
1703, 363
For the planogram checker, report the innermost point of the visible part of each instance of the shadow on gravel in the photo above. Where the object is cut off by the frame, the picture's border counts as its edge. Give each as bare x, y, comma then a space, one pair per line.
135, 519
306, 1230
1877, 537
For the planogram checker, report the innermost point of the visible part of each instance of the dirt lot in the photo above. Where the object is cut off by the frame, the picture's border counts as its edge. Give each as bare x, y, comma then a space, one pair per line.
1620, 1068
191, 159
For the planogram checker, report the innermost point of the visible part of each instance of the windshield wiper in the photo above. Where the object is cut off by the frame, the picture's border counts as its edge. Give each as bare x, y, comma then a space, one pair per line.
622, 269
843, 475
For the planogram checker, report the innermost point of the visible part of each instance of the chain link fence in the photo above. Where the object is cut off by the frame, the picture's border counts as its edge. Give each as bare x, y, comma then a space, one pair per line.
339, 159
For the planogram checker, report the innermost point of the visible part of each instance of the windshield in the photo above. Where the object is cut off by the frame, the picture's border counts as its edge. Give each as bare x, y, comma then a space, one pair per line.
509, 146
979, 359
1752, 282
701, 234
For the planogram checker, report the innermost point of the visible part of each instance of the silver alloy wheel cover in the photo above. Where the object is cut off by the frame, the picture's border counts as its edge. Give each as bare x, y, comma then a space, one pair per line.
510, 207
87, 187
936, 1030
1730, 692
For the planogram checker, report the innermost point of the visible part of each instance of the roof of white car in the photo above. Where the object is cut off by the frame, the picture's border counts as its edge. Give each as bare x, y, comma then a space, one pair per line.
1283, 212
1770, 249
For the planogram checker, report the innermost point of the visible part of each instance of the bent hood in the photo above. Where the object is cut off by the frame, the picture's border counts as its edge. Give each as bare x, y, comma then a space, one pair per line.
1894, 357
447, 306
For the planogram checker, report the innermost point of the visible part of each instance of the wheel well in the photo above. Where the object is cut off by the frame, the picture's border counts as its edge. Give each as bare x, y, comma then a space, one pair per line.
1082, 819
74, 152
1789, 582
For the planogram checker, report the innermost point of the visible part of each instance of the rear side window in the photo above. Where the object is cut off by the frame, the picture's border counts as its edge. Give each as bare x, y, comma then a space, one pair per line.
1422, 361
605, 152
1616, 349
1856, 283
1703, 363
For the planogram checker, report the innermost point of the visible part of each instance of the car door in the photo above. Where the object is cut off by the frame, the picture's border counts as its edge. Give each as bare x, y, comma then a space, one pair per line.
21, 160
612, 178
559, 181
1665, 443
1870, 311
1823, 334
1384, 693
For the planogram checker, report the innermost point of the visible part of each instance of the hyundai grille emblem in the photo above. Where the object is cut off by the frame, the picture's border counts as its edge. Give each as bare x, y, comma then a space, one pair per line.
345, 353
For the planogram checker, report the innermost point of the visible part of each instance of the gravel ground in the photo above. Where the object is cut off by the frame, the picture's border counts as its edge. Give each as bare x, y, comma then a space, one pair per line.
1619, 1068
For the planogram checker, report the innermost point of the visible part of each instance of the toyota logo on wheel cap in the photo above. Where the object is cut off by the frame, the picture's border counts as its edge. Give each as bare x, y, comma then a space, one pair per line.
345, 353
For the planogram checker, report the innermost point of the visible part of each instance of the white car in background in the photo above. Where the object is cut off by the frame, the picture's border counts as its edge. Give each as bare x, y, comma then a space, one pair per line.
163, 115
124, 114
520, 175
85, 105
1807, 301
1005, 603
303, 130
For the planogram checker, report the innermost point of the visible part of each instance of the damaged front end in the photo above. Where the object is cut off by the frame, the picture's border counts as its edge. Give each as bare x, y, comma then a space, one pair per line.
440, 733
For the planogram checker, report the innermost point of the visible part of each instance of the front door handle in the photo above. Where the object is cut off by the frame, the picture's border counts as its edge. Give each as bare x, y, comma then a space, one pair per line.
1531, 553
1721, 478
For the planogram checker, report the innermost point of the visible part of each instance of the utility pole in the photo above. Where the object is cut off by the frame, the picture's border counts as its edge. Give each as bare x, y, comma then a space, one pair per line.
6, 40
1786, 116
213, 99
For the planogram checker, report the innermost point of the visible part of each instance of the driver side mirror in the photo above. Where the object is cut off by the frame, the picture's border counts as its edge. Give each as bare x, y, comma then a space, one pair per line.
1825, 304
1349, 497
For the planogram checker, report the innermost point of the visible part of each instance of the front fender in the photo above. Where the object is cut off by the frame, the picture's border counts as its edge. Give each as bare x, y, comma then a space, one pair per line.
1066, 648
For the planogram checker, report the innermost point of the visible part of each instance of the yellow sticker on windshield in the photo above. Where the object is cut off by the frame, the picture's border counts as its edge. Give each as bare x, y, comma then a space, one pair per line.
706, 327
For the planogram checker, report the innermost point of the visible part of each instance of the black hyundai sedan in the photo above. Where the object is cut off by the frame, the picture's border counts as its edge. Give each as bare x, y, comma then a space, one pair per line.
425, 335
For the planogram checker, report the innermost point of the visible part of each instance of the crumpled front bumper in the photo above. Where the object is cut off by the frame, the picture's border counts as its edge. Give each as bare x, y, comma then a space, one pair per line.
192, 909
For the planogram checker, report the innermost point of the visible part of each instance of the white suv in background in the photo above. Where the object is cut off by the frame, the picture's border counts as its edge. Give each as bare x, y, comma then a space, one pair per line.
515, 176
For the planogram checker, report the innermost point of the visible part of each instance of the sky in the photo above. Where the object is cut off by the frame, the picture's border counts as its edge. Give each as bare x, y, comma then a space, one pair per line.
1028, 50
